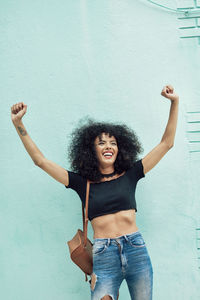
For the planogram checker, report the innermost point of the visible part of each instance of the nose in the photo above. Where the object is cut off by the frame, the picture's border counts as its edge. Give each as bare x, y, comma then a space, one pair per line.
108, 146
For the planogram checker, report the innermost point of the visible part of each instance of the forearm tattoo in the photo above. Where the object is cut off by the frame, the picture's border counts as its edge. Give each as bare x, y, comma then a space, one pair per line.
22, 131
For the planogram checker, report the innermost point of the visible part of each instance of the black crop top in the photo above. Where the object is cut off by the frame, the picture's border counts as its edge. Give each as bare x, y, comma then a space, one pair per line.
109, 196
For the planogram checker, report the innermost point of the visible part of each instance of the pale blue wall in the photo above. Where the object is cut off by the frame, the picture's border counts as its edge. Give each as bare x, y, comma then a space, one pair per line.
109, 60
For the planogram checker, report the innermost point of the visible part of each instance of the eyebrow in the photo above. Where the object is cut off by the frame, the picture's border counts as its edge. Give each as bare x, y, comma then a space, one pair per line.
100, 140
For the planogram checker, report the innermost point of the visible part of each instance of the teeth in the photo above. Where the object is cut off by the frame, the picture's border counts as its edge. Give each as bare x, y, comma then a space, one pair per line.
107, 154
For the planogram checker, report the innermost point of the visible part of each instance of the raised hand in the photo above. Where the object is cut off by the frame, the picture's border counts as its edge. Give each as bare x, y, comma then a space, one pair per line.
168, 92
18, 110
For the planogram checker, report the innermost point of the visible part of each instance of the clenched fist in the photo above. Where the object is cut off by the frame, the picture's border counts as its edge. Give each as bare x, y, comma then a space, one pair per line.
18, 110
168, 92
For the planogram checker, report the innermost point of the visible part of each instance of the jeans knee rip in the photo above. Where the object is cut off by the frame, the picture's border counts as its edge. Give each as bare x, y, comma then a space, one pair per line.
107, 297
93, 281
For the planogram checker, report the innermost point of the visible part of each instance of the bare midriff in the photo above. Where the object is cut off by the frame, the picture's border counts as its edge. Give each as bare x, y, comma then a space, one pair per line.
115, 224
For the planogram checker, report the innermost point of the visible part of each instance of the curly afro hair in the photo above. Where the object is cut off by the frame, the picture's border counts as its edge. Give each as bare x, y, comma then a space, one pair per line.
82, 154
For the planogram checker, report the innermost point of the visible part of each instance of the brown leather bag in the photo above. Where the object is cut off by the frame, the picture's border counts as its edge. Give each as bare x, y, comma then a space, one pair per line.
80, 247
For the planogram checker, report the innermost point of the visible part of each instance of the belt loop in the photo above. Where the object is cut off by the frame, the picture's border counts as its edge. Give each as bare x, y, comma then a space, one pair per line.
126, 238
108, 243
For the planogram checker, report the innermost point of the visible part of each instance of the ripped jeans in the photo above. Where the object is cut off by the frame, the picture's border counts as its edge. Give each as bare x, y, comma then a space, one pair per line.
115, 259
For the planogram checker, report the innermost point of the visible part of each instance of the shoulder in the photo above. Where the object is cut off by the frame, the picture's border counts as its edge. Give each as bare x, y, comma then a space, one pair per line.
76, 181
137, 170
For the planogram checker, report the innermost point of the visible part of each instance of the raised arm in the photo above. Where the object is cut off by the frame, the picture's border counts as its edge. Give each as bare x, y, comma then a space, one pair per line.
57, 172
167, 141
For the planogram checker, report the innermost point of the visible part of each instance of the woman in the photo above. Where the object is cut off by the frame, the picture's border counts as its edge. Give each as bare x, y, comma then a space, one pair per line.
106, 154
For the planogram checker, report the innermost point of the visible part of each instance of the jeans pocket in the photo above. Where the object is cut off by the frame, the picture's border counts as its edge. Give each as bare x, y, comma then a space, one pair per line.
137, 241
99, 247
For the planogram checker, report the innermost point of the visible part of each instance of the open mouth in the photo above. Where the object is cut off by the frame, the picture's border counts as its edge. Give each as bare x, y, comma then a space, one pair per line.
108, 154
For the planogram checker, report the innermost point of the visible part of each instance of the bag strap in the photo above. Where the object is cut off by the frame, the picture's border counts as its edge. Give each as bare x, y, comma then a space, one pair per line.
85, 215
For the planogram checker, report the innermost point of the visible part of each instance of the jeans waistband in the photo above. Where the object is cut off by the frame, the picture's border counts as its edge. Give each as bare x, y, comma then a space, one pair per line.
121, 237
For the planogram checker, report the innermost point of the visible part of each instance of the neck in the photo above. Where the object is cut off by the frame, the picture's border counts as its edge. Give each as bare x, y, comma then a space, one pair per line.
106, 170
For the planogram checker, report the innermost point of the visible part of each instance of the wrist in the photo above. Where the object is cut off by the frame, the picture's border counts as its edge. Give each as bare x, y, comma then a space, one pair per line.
175, 99
17, 123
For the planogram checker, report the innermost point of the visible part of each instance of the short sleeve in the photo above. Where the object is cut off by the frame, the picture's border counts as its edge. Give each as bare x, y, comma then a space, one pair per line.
77, 183
139, 169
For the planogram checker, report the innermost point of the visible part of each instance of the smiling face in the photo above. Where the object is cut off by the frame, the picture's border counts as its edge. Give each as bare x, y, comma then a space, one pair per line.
106, 151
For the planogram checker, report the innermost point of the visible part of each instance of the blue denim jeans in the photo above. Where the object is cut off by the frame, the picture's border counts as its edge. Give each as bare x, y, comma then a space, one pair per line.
115, 259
